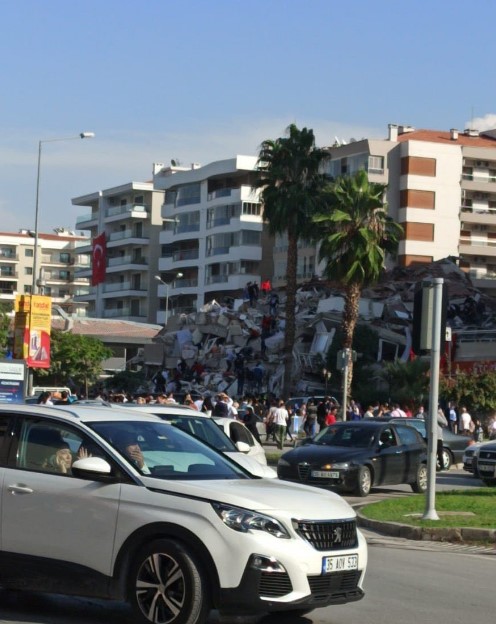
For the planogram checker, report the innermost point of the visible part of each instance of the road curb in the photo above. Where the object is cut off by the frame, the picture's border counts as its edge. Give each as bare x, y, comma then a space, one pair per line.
433, 534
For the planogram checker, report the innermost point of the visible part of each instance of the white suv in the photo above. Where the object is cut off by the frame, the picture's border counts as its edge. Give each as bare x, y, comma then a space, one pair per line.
120, 505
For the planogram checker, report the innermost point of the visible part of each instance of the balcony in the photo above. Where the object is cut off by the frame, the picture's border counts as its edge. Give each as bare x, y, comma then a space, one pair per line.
7, 255
87, 220
121, 261
127, 211
476, 247
8, 274
127, 237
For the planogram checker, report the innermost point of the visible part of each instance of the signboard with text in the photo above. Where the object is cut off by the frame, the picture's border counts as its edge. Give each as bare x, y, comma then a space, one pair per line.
33, 320
12, 379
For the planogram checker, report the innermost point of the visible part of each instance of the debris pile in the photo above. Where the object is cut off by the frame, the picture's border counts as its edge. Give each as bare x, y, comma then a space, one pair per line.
223, 348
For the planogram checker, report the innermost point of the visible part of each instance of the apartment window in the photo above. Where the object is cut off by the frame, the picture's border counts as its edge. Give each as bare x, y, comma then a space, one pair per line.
28, 270
251, 208
65, 257
139, 199
64, 275
47, 291
28, 253
376, 164
27, 290
188, 194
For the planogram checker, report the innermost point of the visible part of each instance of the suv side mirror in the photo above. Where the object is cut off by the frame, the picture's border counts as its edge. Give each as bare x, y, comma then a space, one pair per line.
243, 447
93, 468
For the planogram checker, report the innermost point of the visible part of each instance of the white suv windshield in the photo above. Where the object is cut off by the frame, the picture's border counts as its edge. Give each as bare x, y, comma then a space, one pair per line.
165, 452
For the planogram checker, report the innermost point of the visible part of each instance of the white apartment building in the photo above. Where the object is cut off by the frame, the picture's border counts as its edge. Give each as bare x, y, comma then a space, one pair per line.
57, 256
213, 242
130, 216
441, 188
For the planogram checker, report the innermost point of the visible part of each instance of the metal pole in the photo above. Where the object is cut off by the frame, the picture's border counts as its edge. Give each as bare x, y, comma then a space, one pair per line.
430, 508
36, 212
346, 355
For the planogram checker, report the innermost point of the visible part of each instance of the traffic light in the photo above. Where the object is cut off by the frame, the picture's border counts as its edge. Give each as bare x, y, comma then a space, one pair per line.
423, 317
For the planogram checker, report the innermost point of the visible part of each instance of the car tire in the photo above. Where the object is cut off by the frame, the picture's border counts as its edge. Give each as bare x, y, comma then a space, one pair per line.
167, 586
447, 459
364, 482
420, 484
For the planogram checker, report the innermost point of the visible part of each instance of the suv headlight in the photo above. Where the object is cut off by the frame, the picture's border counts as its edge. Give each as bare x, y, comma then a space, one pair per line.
244, 520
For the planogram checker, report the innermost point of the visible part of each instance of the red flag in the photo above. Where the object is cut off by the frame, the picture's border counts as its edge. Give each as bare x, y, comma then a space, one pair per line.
99, 259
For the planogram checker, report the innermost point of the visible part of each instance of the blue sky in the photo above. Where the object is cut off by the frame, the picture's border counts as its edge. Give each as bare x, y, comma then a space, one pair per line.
203, 80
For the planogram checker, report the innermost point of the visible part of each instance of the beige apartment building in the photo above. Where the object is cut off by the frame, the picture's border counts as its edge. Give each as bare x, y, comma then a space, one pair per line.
441, 188
57, 258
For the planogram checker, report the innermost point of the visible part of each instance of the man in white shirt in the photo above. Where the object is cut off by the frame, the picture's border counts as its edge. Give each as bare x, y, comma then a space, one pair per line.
281, 417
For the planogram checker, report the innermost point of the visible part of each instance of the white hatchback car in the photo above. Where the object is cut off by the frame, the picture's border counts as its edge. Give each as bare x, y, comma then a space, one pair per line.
240, 434
241, 446
120, 505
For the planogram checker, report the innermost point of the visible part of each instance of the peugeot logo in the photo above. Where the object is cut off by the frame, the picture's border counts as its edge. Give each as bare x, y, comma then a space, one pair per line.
337, 535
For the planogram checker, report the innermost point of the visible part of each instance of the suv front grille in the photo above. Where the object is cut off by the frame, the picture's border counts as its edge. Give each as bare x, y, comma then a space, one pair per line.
274, 584
336, 583
329, 534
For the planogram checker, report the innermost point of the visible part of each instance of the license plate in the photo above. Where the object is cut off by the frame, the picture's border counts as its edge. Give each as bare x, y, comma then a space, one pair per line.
339, 564
487, 468
325, 474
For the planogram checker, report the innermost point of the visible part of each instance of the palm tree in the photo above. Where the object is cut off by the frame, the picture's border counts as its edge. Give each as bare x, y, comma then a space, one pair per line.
292, 182
355, 234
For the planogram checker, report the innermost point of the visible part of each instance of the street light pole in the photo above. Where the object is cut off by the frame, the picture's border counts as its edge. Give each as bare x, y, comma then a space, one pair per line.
82, 135
159, 279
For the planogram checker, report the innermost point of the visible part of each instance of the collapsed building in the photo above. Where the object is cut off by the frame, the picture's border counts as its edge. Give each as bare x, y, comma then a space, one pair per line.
215, 335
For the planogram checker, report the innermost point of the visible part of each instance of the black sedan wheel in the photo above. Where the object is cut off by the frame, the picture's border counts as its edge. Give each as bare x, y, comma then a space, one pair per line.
166, 586
447, 459
364, 482
420, 485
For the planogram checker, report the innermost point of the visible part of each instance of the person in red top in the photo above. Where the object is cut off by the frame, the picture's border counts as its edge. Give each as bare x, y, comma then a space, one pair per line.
331, 416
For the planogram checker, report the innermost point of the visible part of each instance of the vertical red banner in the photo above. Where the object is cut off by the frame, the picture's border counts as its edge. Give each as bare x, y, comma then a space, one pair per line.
99, 259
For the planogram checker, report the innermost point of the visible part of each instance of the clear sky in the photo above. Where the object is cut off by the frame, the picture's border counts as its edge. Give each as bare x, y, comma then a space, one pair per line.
203, 80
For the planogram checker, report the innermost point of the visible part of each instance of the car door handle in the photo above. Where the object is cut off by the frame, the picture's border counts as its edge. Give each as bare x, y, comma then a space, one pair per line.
19, 489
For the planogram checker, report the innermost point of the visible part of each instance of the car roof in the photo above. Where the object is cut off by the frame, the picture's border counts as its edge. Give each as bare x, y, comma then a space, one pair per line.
158, 408
74, 413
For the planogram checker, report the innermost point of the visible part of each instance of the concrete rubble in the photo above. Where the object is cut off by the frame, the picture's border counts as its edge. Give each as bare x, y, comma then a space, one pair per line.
215, 335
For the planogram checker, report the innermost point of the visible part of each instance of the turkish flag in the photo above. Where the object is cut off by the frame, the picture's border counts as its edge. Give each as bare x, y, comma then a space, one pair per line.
99, 259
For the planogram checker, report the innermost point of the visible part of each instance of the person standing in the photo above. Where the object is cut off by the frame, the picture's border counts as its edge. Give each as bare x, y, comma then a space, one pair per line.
453, 418
281, 418
311, 418
465, 421
441, 424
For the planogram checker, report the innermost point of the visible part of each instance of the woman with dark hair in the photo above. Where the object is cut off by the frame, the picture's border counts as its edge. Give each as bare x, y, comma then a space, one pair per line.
208, 406
45, 398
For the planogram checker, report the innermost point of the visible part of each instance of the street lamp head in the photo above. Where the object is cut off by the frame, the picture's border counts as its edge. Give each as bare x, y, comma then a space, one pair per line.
87, 135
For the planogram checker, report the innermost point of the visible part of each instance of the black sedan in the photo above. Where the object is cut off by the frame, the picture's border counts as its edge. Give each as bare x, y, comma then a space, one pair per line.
356, 456
453, 445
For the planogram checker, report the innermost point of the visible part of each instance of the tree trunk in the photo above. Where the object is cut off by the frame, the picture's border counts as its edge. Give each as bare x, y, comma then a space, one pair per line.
289, 335
350, 317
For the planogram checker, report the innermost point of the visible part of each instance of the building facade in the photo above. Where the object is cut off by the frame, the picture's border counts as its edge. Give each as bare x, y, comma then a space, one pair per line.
213, 242
57, 256
441, 188
130, 216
